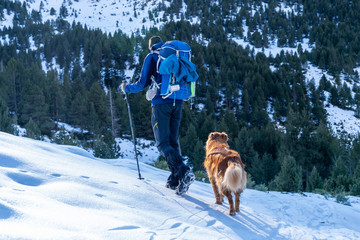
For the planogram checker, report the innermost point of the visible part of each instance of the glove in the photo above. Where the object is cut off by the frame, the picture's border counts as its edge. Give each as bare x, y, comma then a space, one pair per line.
123, 86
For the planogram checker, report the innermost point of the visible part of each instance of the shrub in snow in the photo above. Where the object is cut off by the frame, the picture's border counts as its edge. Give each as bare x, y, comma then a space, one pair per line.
65, 138
32, 130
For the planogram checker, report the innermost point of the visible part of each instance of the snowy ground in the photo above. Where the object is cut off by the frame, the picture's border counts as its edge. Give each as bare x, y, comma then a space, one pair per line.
50, 191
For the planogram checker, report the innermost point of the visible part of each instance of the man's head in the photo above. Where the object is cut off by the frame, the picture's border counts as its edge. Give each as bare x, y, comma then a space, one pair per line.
154, 40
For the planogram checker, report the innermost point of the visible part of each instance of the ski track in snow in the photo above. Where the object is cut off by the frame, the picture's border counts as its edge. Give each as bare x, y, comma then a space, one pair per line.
50, 191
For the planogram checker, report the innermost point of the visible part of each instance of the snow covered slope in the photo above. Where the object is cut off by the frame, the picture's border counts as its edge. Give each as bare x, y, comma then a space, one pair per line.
50, 191
107, 15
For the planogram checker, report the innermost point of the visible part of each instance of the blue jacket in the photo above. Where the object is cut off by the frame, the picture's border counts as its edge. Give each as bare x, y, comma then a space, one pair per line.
180, 67
148, 70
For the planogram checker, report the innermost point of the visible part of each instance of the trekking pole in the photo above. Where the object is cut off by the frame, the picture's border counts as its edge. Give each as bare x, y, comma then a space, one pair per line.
133, 135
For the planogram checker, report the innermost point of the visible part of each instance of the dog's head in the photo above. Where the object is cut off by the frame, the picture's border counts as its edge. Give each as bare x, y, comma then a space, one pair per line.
216, 137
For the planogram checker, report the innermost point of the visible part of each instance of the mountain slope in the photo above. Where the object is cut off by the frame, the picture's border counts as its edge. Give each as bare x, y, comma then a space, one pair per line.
50, 191
131, 16
107, 15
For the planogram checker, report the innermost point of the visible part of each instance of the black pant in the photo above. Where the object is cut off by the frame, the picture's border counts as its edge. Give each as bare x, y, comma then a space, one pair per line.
165, 121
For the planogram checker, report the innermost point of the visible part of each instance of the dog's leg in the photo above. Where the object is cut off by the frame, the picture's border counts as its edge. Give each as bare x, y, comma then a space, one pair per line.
227, 193
216, 191
237, 201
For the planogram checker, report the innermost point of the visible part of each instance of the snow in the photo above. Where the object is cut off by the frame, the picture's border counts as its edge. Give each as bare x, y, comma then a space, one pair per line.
288, 9
70, 128
50, 191
273, 50
315, 74
7, 21
343, 121
147, 151
107, 15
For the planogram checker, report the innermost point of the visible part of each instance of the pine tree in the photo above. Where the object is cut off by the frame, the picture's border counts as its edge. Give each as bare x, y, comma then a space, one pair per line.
32, 130
205, 125
79, 107
97, 98
123, 117
245, 102
193, 148
340, 180
355, 187
334, 96
244, 144
5, 120
68, 97
315, 181
93, 122
55, 97
79, 111
33, 106
14, 71
289, 178
263, 169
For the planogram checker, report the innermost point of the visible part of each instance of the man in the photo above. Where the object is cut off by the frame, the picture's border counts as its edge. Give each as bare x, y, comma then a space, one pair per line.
165, 119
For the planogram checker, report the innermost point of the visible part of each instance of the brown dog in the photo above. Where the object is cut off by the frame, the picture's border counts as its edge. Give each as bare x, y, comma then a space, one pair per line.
225, 170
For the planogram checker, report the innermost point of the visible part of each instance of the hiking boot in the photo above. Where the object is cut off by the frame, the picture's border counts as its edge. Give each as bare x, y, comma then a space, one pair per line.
185, 182
168, 185
172, 182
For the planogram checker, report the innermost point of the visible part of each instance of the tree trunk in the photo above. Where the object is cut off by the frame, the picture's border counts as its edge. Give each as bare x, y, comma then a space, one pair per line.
112, 113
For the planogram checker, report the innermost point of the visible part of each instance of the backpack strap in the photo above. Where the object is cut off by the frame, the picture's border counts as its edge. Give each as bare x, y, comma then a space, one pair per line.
177, 52
157, 51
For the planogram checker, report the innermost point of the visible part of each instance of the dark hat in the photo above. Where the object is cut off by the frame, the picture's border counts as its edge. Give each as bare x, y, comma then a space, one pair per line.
154, 40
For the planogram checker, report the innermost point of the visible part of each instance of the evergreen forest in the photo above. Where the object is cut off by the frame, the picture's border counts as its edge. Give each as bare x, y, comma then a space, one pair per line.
276, 119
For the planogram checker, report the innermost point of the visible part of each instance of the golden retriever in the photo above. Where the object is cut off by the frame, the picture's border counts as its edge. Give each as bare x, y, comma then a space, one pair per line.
225, 170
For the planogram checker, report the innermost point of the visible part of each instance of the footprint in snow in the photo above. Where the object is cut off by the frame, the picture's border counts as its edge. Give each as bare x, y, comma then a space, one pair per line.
5, 212
8, 161
210, 223
56, 175
130, 227
24, 179
86, 177
176, 225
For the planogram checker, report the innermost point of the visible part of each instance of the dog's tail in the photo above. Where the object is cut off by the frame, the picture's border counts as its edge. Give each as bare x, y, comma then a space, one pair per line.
234, 177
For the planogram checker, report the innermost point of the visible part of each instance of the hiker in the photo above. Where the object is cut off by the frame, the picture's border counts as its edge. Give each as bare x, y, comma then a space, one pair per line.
165, 120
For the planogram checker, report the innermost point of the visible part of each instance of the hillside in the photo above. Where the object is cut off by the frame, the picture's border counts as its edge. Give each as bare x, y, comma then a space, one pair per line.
280, 77
50, 191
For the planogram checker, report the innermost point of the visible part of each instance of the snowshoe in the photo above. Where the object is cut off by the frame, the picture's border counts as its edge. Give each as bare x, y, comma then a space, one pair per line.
185, 182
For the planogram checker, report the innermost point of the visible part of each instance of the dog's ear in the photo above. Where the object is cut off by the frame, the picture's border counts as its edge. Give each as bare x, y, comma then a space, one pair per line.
213, 135
224, 136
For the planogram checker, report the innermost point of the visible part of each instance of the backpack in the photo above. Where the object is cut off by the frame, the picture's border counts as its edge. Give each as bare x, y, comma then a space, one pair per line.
177, 71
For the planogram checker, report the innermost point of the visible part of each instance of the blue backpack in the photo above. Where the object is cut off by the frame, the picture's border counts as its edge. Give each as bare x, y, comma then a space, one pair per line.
178, 72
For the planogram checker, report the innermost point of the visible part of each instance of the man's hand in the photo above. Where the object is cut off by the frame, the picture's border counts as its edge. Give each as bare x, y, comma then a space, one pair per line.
123, 86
